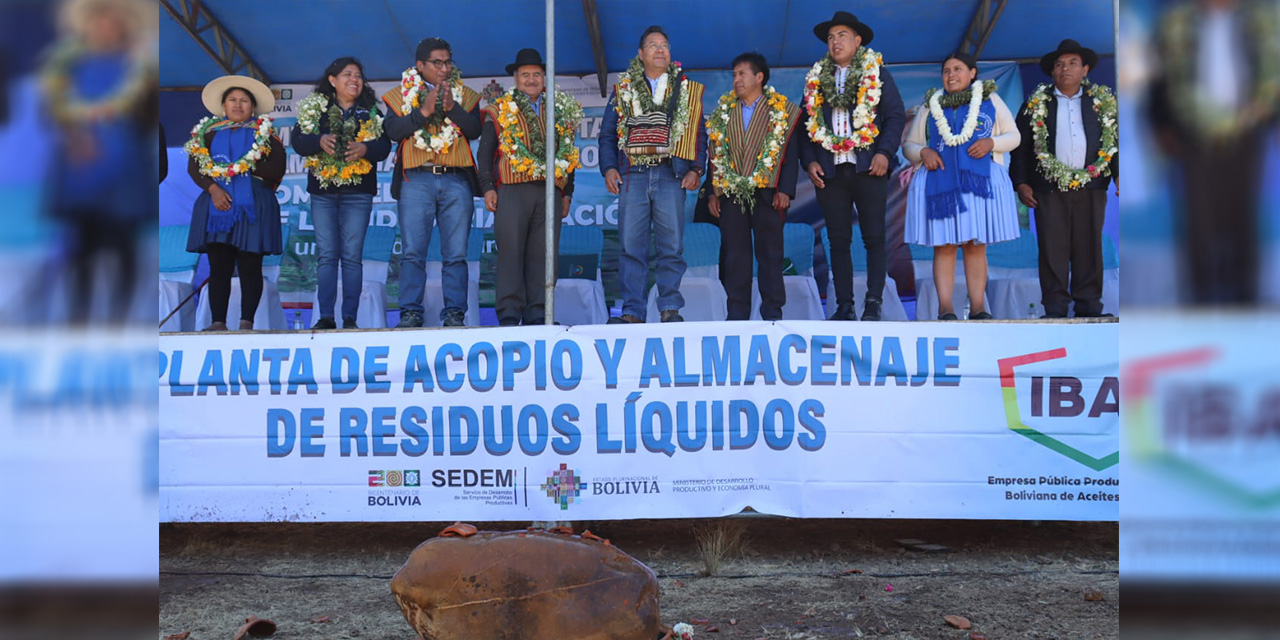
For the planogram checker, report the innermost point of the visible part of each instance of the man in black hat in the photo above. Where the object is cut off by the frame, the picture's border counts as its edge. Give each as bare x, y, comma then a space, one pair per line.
1069, 210
1214, 103
514, 186
851, 150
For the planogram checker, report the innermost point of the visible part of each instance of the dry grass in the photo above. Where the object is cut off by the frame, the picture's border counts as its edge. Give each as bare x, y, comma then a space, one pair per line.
717, 542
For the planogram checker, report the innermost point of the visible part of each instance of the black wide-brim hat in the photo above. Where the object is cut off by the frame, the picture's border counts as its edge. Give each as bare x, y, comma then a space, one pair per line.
847, 19
526, 57
1088, 56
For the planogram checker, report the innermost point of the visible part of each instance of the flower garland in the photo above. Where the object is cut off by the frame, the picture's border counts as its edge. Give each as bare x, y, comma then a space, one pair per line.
819, 87
241, 166
738, 186
68, 107
528, 156
934, 98
1186, 90
631, 102
412, 88
331, 170
682, 631
1053, 169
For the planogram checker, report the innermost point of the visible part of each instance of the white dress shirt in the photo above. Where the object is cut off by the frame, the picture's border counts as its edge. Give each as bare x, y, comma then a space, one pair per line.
1069, 143
1219, 61
841, 125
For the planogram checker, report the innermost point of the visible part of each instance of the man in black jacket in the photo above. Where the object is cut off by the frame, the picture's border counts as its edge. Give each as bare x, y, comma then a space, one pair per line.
1068, 220
849, 160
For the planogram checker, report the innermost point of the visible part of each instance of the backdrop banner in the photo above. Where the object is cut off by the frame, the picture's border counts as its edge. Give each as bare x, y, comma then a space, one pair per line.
801, 419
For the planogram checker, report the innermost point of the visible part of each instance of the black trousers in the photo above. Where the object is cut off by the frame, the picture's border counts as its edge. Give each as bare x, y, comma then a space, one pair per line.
97, 237
1223, 187
1069, 236
844, 190
739, 230
519, 227
224, 260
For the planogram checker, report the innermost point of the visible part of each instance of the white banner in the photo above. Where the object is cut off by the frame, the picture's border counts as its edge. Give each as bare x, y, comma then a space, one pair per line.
803, 419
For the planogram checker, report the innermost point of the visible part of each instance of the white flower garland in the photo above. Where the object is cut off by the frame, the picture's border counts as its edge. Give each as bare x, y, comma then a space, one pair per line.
241, 166
970, 121
862, 116
628, 103
309, 110
411, 90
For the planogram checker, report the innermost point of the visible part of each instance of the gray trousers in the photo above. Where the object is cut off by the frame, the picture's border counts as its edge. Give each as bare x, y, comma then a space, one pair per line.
519, 226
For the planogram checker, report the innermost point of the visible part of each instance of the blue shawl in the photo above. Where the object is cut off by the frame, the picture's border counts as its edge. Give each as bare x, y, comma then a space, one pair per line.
962, 174
231, 143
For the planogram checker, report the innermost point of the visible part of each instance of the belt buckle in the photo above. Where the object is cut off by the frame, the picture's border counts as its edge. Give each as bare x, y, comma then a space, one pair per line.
439, 170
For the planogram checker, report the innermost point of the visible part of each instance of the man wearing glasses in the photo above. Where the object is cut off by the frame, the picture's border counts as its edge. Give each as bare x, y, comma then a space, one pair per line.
655, 117
434, 117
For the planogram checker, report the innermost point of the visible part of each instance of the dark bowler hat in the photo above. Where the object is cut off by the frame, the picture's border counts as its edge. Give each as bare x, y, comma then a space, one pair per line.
847, 19
1088, 56
524, 57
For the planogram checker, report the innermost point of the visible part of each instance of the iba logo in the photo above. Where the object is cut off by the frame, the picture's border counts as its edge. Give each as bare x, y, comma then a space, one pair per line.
395, 478
1067, 399
564, 487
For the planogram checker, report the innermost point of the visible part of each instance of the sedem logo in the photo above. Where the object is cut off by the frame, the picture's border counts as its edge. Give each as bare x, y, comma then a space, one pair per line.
1066, 400
564, 487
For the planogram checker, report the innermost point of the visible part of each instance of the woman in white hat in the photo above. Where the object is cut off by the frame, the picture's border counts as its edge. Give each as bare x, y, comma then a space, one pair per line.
237, 160
99, 89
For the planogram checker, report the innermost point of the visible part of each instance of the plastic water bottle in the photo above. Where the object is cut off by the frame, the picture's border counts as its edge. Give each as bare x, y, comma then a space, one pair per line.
297, 321
1033, 313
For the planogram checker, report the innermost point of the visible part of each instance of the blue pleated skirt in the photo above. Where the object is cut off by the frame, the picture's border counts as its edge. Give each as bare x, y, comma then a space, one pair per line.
260, 236
985, 220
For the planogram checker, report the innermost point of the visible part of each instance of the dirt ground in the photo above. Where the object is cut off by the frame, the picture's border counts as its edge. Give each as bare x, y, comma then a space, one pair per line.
794, 579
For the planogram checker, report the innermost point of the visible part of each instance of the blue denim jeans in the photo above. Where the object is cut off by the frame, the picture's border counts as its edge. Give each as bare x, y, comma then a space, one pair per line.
444, 201
341, 220
651, 204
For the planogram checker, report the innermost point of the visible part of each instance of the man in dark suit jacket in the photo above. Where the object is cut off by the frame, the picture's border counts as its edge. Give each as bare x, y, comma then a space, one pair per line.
1217, 129
1068, 222
857, 176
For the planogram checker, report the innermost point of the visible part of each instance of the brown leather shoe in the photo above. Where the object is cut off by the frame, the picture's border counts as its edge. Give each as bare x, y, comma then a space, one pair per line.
246, 325
672, 315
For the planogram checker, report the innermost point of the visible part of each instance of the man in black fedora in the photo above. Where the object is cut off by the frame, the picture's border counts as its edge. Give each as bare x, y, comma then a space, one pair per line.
850, 152
514, 187
1067, 186
1214, 105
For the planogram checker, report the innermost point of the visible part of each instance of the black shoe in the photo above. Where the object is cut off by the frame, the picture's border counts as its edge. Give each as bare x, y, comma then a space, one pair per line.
672, 315
625, 318
349, 323
454, 318
1053, 316
844, 312
947, 316
1095, 315
323, 324
409, 320
871, 310
508, 322
982, 315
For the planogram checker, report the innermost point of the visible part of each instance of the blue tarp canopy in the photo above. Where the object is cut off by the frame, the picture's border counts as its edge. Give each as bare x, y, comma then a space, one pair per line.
293, 40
